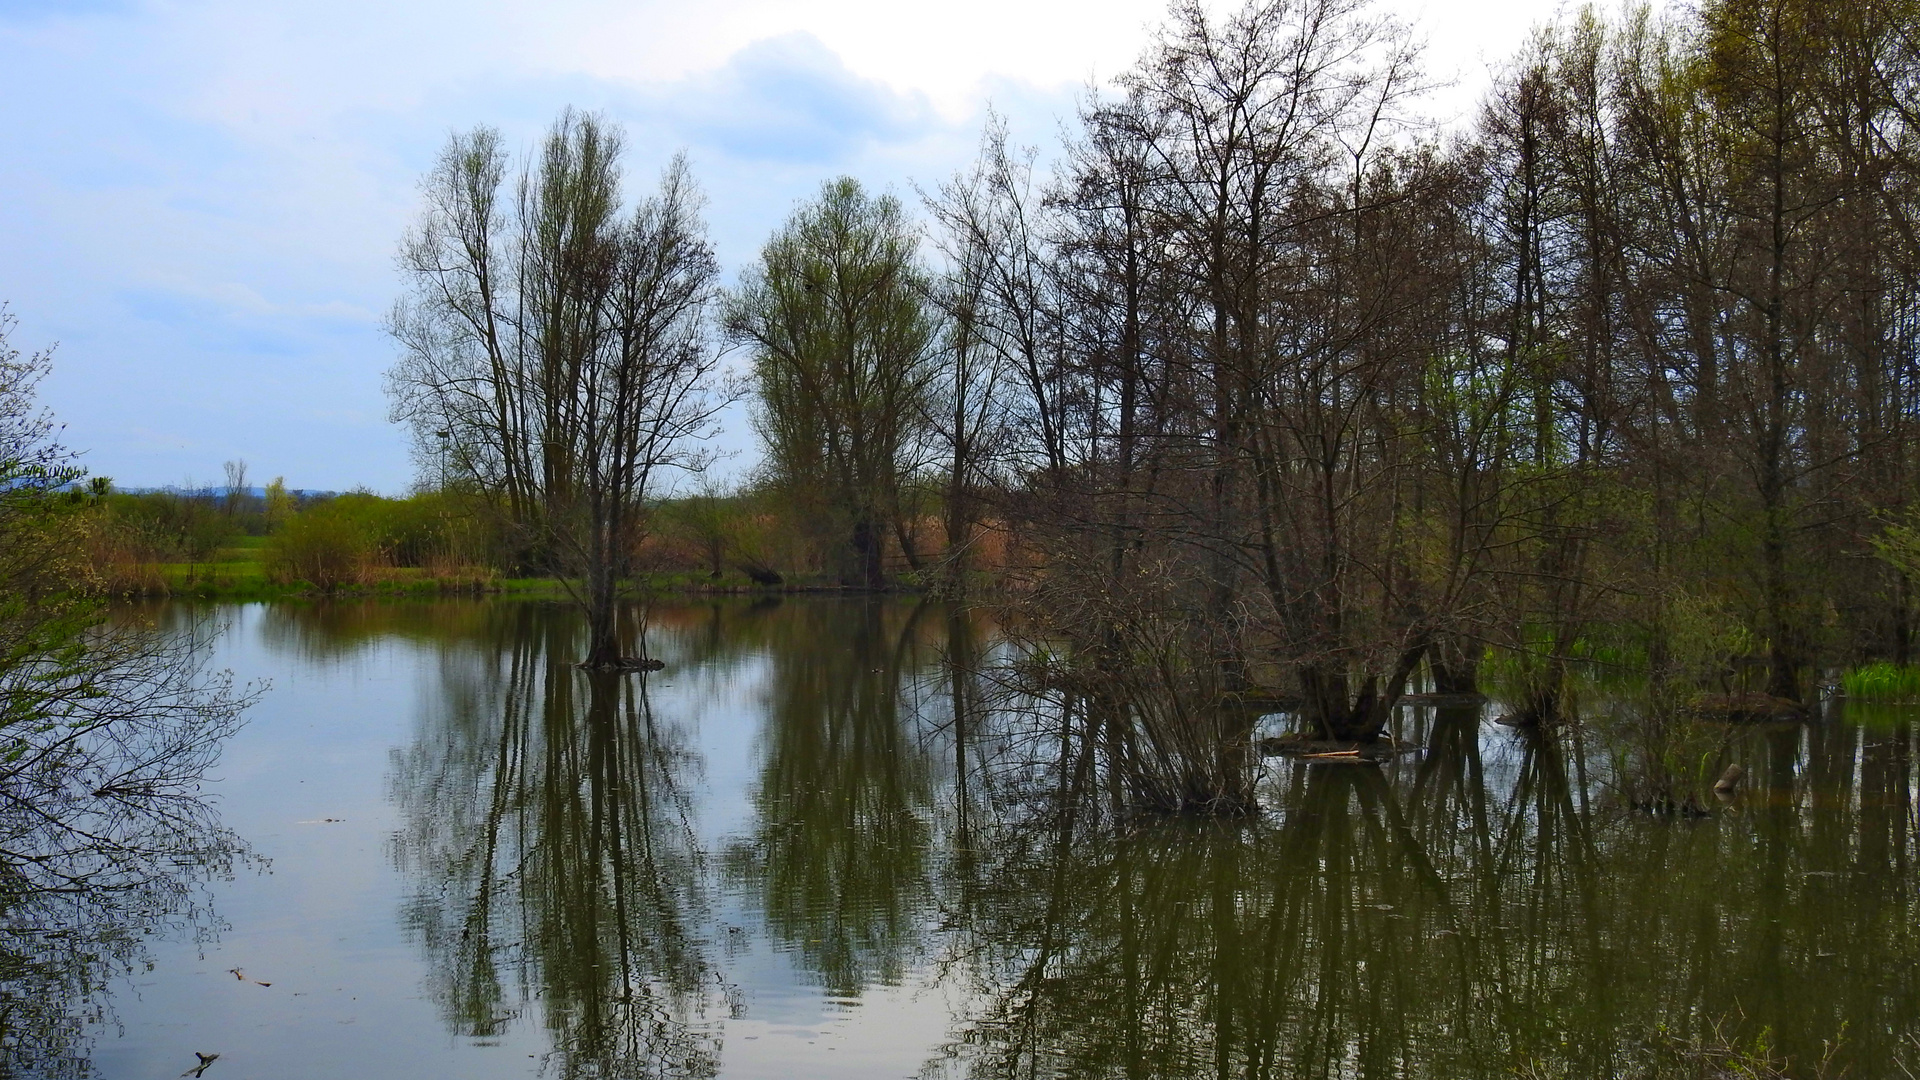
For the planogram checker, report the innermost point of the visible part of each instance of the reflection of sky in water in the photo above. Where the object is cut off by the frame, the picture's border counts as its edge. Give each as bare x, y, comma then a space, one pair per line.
1383, 879
319, 925
322, 924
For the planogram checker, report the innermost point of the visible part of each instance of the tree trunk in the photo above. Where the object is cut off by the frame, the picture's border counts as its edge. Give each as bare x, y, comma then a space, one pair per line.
867, 571
1455, 669
603, 643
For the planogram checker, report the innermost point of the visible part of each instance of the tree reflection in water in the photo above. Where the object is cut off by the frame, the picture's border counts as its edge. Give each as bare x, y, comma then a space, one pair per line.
1450, 916
838, 858
105, 838
1489, 905
549, 832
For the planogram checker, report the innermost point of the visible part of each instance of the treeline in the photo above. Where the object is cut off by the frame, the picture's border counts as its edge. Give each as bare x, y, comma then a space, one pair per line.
1625, 372
1289, 399
237, 541
156, 542
1265, 389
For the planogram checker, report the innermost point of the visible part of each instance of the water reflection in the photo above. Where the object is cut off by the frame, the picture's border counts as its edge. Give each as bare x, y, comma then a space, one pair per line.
549, 834
62, 947
1489, 904
838, 857
1422, 921
106, 841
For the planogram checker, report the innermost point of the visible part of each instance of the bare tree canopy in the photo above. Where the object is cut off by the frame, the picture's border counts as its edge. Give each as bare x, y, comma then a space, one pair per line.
555, 349
1294, 402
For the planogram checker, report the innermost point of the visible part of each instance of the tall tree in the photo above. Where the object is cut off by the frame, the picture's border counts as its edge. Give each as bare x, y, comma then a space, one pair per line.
561, 349
1758, 67
837, 319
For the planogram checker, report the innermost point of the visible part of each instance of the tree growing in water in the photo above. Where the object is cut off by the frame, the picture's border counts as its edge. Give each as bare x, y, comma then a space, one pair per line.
555, 351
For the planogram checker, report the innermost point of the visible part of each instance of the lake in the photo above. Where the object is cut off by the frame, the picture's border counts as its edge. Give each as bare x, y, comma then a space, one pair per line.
805, 848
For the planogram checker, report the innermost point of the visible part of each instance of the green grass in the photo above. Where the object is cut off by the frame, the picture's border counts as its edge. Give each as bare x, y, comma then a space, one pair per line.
245, 579
179, 576
238, 571
1883, 681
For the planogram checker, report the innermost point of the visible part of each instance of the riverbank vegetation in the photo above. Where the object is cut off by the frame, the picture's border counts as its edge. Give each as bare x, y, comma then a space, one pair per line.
1324, 411
1268, 391
1262, 441
184, 543
1256, 391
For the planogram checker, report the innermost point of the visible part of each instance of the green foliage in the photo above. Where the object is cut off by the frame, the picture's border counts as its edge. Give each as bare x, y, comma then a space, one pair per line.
707, 521
740, 530
184, 525
1702, 637
350, 539
324, 548
279, 504
841, 336
40, 622
1882, 681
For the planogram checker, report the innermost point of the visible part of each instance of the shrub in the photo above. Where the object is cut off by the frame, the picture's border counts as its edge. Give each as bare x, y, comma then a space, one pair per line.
359, 538
123, 559
324, 547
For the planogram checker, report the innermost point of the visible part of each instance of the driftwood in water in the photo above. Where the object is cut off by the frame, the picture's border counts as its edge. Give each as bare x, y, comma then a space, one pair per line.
1729, 781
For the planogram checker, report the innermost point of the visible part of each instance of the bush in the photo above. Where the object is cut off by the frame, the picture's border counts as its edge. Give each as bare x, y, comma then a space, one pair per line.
123, 559
324, 547
358, 538
183, 526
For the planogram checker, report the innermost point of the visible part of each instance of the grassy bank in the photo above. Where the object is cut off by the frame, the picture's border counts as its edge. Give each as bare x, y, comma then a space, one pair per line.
239, 571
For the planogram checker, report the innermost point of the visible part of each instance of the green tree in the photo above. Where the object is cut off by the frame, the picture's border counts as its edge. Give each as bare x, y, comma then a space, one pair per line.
279, 504
841, 333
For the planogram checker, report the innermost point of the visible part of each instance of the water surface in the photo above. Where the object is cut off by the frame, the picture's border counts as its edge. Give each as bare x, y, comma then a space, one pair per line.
807, 848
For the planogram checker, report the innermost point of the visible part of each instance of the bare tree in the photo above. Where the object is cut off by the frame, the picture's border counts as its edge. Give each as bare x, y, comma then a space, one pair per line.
561, 352
236, 491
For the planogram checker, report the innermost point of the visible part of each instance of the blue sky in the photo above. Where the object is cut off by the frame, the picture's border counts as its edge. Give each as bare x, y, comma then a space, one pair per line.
200, 199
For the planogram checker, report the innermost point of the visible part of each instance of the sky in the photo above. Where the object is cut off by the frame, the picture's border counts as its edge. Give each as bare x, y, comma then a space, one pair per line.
200, 200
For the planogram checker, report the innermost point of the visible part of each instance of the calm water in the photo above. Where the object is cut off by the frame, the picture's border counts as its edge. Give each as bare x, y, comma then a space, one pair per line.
803, 849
